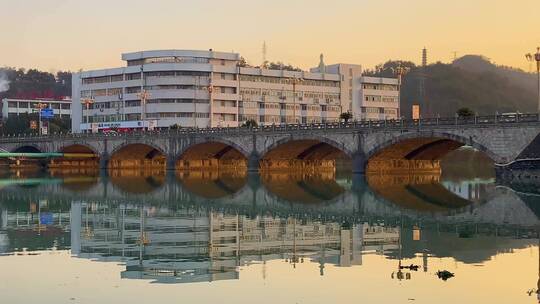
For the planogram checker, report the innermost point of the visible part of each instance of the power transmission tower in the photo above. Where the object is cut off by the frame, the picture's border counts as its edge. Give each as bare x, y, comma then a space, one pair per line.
264, 50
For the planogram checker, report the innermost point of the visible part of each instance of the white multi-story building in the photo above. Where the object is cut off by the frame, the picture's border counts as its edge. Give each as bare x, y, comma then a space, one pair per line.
15, 107
378, 99
367, 98
205, 89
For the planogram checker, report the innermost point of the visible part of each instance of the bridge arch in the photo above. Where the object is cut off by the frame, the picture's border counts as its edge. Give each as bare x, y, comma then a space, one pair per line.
422, 146
304, 152
76, 156
27, 148
212, 153
78, 147
135, 155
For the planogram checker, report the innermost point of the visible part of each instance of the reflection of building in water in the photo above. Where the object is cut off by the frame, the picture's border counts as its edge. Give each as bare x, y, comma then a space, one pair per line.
190, 245
35, 227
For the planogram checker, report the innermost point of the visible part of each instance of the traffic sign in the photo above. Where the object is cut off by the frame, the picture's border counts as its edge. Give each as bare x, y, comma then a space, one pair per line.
47, 113
44, 128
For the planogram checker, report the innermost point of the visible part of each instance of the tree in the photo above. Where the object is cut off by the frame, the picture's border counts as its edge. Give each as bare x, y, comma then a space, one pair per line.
388, 69
345, 116
250, 123
243, 62
32, 84
282, 66
20, 124
465, 112
175, 127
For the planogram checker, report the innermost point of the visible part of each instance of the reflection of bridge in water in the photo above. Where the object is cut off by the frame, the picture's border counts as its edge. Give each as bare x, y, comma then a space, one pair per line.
348, 197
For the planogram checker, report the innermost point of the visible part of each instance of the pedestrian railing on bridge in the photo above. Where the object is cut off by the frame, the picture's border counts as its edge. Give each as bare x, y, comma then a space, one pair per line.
391, 124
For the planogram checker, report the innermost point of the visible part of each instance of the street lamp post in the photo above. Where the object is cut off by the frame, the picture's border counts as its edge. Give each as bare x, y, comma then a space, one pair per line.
144, 96
39, 107
295, 81
210, 89
87, 102
536, 57
400, 71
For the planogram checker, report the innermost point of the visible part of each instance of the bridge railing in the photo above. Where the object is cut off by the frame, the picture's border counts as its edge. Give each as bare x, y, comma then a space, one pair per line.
487, 120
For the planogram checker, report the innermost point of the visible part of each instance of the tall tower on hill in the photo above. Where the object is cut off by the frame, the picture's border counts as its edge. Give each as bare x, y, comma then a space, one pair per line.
426, 112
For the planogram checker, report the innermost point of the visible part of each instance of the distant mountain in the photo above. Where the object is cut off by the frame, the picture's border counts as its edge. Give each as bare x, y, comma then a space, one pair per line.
481, 64
471, 81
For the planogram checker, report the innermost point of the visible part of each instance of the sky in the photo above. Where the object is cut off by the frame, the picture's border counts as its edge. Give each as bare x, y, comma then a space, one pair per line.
57, 35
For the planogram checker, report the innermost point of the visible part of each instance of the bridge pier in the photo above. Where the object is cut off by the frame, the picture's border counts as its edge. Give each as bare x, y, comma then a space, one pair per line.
170, 163
104, 161
253, 163
359, 163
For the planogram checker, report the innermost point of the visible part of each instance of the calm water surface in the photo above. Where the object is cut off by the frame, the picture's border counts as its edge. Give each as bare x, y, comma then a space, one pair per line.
207, 237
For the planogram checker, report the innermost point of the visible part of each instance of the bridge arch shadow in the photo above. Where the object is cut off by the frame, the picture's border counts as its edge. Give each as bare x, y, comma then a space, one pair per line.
419, 151
212, 185
137, 183
298, 188
311, 153
213, 154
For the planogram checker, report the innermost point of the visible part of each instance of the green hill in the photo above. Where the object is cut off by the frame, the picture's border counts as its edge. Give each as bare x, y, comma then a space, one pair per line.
471, 81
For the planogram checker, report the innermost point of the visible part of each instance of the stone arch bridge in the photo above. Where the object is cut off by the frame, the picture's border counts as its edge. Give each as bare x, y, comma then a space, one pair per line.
510, 141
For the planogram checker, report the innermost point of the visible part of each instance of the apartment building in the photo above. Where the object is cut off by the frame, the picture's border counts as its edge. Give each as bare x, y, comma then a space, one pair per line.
378, 98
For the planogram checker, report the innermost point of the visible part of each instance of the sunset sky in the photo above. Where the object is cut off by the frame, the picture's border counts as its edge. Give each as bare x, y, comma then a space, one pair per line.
68, 34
